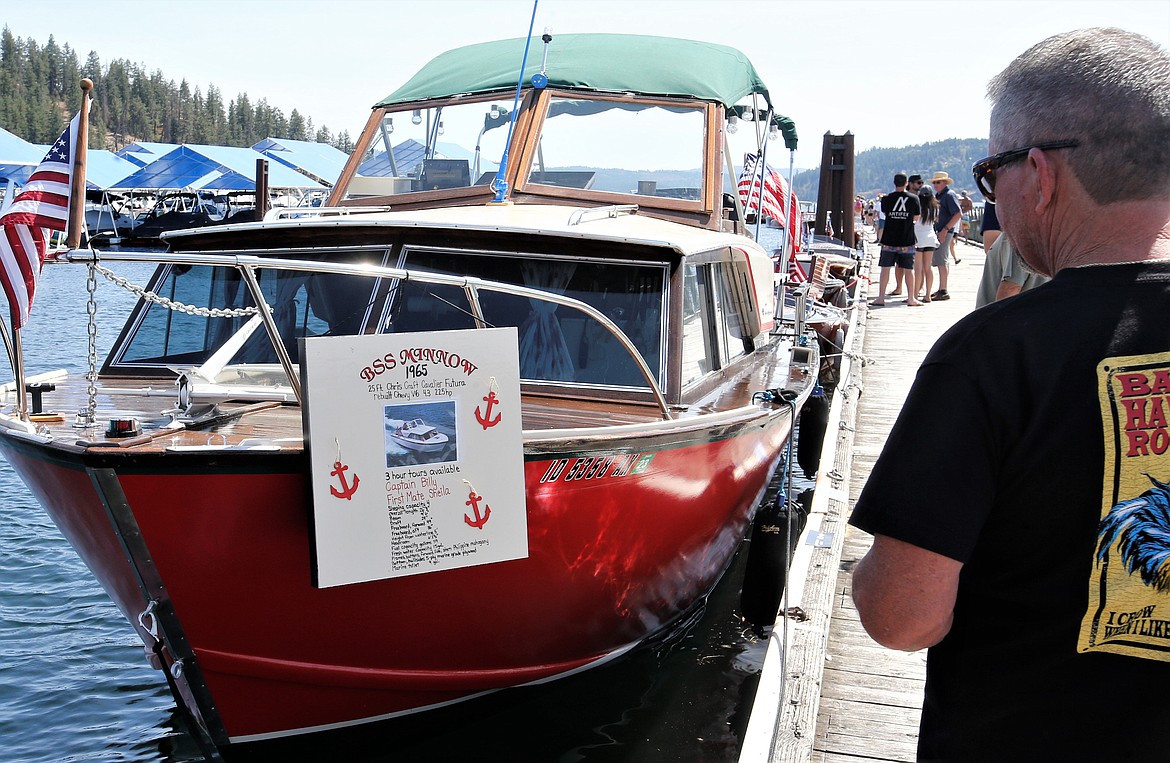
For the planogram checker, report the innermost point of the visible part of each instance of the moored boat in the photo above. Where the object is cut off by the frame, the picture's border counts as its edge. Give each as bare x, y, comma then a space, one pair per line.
620, 390
418, 435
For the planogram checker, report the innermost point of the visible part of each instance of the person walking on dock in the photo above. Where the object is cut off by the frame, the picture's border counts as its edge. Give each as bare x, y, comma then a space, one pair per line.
945, 227
901, 210
925, 243
1029, 550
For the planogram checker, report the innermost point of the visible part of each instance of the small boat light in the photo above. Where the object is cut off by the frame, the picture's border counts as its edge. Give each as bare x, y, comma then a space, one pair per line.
123, 428
441, 127
773, 131
389, 122
732, 124
416, 118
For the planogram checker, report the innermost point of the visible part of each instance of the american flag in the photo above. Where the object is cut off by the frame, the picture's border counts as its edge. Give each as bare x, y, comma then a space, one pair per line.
40, 207
774, 189
796, 272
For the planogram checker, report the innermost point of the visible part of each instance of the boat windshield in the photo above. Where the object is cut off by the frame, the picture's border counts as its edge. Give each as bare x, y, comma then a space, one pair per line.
647, 149
304, 304
557, 344
450, 146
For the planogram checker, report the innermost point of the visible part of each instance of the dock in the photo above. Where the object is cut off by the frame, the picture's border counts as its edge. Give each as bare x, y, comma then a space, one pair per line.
828, 693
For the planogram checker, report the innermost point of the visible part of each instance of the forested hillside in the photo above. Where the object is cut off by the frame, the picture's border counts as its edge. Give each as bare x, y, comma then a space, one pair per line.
39, 93
874, 169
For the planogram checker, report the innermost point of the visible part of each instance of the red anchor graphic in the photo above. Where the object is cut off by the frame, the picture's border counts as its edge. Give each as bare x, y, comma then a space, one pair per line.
473, 500
347, 490
485, 417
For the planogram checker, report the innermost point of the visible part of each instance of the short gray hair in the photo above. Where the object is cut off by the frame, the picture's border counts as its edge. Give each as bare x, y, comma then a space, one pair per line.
1107, 88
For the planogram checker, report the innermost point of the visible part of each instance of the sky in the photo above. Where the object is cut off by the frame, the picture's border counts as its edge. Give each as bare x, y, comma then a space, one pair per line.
893, 72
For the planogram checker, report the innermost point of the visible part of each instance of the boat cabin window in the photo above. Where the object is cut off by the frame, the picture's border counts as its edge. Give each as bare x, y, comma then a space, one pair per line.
557, 343
713, 326
648, 150
451, 146
304, 304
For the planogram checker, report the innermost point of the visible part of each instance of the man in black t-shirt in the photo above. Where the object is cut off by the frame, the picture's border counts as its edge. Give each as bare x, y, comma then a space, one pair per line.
901, 210
1027, 542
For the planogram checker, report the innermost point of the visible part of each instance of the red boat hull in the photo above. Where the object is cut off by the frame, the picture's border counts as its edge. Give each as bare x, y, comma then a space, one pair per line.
612, 560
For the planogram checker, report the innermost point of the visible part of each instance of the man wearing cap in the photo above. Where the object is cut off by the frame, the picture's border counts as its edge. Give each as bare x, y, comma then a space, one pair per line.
1029, 546
949, 215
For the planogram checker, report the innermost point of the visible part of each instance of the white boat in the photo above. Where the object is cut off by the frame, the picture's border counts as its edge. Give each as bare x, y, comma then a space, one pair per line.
416, 434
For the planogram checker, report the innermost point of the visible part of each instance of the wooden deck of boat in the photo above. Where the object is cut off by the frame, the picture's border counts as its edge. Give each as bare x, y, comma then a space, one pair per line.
865, 700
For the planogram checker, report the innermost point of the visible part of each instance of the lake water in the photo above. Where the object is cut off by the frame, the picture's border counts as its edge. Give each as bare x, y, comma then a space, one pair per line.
74, 684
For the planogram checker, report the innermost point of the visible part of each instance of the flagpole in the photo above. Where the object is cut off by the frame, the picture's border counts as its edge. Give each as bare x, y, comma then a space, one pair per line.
762, 147
17, 354
789, 242
77, 187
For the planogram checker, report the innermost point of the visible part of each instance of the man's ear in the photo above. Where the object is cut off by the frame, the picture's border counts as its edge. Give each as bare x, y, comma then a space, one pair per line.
1043, 180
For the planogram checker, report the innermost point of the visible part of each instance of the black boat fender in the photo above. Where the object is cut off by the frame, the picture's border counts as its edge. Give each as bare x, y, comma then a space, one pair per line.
814, 419
777, 527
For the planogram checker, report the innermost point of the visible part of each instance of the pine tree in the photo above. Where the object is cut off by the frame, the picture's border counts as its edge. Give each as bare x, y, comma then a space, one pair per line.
40, 91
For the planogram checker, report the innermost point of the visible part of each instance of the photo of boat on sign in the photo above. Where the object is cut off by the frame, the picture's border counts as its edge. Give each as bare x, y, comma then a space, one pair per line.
426, 437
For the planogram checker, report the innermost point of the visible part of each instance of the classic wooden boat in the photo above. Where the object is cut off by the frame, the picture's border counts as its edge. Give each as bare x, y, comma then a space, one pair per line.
656, 394
418, 435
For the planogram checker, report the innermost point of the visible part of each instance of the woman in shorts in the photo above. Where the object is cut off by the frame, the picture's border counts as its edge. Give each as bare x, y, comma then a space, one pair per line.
927, 242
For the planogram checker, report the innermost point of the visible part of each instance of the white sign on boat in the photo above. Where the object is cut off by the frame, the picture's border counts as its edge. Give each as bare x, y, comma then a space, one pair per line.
417, 452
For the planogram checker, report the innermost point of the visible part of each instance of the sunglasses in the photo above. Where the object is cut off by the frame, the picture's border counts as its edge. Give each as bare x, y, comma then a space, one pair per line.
984, 169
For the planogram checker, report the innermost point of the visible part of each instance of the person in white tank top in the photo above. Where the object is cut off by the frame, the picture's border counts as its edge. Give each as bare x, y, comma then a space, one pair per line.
926, 242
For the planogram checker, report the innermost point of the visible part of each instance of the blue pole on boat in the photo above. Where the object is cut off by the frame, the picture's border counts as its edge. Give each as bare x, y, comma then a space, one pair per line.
500, 184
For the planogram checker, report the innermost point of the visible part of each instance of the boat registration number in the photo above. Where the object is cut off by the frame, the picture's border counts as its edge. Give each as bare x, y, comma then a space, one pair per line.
596, 467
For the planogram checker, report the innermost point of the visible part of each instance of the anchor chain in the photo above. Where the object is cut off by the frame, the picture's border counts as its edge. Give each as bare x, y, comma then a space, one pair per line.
170, 304
87, 416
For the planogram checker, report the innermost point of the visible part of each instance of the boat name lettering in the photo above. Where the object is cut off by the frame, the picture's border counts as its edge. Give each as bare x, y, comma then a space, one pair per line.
596, 467
377, 367
416, 355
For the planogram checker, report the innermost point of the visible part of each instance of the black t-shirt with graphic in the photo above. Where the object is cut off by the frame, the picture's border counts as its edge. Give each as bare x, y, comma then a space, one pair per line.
1040, 431
900, 209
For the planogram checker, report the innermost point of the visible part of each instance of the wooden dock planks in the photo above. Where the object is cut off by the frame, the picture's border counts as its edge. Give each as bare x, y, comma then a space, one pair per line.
871, 697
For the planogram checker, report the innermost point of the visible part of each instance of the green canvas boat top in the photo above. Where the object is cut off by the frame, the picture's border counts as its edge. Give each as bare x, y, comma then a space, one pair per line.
612, 63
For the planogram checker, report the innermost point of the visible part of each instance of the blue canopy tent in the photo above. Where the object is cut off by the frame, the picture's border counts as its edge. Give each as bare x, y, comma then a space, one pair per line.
319, 161
18, 157
408, 155
105, 168
219, 168
143, 152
